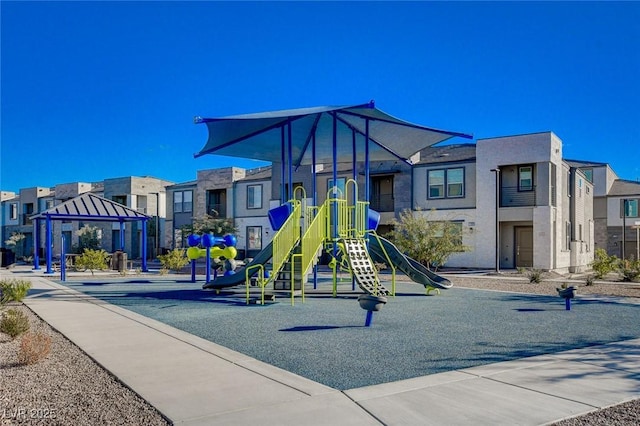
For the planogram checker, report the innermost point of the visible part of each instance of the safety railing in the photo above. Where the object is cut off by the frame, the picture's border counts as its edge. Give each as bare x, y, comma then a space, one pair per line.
313, 239
286, 238
284, 241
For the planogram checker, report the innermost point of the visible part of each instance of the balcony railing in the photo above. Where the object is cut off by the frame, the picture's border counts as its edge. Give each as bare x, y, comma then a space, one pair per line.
510, 196
382, 203
217, 210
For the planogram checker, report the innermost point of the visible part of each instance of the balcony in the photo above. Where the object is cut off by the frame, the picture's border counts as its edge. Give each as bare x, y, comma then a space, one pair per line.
510, 196
382, 203
217, 210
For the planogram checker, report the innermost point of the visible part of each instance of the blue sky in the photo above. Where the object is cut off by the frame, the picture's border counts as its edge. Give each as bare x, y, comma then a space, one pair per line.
94, 90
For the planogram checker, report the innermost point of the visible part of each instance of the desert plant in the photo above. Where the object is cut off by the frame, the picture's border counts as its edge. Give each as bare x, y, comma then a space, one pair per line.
521, 270
589, 280
174, 260
630, 270
425, 239
603, 263
13, 290
14, 323
92, 260
535, 275
34, 347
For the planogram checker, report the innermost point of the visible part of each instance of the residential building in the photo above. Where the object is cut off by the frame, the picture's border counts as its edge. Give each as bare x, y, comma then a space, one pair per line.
516, 200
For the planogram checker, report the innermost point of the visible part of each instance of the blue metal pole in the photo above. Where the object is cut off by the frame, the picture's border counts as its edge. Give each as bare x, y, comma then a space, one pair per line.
334, 210
367, 322
282, 169
122, 235
314, 190
36, 236
63, 262
193, 271
355, 196
144, 246
366, 175
567, 303
208, 263
48, 238
290, 160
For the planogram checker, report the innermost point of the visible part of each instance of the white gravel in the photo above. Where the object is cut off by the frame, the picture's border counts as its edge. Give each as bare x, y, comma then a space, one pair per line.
66, 388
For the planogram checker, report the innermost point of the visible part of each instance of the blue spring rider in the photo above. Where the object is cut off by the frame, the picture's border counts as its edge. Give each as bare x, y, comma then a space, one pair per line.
222, 250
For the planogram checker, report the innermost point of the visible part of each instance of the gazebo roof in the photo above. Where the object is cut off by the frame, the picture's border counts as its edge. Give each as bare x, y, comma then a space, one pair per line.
91, 207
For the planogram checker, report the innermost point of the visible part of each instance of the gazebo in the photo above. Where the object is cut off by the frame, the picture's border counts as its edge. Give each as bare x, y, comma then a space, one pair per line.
87, 207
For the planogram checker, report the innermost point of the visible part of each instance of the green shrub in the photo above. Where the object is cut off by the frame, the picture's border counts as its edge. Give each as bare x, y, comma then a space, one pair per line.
603, 263
13, 290
175, 260
92, 259
535, 275
589, 280
630, 270
14, 323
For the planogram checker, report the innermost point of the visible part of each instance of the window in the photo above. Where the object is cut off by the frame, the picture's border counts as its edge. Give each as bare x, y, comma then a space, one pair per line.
254, 197
340, 188
217, 203
120, 199
13, 211
254, 237
187, 201
48, 204
525, 178
629, 207
182, 201
177, 202
436, 183
451, 179
455, 183
588, 173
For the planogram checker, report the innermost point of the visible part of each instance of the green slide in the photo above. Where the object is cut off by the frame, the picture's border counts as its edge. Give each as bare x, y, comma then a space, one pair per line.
239, 277
410, 267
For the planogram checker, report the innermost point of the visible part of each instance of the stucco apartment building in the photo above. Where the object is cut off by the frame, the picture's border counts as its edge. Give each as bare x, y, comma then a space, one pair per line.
144, 194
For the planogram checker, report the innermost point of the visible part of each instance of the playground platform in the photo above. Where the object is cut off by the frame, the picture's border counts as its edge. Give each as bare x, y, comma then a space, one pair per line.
194, 381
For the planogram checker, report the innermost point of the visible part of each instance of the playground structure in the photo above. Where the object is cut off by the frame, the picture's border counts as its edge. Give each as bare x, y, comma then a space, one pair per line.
343, 223
216, 249
337, 227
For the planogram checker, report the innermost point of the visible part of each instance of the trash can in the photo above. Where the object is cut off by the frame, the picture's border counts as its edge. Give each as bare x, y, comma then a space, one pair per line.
119, 261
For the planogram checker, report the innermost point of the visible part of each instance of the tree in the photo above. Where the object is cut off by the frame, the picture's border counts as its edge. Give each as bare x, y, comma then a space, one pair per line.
430, 242
15, 243
210, 224
89, 238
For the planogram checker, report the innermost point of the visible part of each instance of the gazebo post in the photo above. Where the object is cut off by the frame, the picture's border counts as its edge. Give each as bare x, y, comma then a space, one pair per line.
121, 235
36, 237
144, 246
48, 244
290, 159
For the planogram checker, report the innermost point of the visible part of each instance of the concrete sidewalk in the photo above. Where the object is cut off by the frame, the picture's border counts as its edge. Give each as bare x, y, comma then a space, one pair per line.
193, 381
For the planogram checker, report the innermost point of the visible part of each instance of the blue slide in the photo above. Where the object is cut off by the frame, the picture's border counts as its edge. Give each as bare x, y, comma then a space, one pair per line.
410, 267
239, 277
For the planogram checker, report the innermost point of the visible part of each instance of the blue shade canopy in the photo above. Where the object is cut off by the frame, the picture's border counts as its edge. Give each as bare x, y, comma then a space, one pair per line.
259, 136
90, 207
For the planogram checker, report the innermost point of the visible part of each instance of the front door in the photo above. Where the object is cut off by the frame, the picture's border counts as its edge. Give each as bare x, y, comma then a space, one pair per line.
524, 247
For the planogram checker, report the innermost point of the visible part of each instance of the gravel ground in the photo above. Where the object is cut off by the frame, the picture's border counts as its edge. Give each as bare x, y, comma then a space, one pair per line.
68, 387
